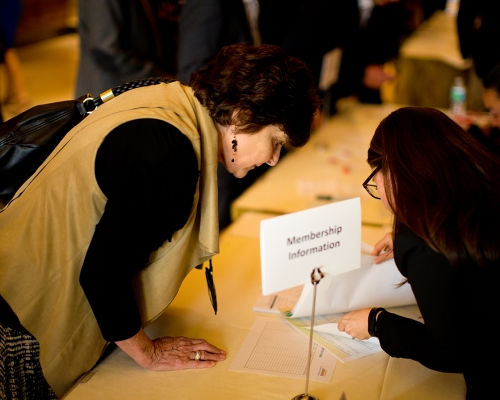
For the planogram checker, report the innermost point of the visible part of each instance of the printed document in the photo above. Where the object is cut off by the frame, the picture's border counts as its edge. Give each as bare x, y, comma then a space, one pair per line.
273, 347
339, 344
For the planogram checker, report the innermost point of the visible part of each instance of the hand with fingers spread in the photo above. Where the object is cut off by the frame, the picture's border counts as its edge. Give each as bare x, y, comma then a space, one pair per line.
383, 249
171, 353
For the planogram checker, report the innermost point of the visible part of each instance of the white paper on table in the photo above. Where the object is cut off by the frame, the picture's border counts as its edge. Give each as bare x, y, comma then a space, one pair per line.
346, 349
339, 344
273, 347
273, 302
333, 329
293, 245
374, 286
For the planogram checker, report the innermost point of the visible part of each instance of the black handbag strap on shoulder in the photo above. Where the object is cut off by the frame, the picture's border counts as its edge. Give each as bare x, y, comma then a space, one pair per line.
28, 139
91, 104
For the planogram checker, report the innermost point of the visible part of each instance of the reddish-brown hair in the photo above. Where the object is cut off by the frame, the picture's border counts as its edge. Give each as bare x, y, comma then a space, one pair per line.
444, 185
258, 86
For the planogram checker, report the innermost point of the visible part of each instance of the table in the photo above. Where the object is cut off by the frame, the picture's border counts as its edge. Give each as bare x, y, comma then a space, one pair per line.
330, 167
428, 63
237, 276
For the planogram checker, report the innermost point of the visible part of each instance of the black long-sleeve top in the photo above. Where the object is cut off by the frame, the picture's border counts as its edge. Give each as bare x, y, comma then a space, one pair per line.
459, 305
148, 171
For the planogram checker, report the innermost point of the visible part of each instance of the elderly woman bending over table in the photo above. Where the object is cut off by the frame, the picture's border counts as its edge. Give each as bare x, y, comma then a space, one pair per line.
96, 244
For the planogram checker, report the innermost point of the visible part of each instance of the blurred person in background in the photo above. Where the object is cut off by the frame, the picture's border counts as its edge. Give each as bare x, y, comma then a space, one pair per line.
125, 40
486, 127
205, 26
491, 95
478, 33
489, 133
17, 94
369, 32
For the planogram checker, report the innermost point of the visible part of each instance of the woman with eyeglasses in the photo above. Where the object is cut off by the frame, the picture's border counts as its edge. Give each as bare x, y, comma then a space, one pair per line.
443, 189
98, 242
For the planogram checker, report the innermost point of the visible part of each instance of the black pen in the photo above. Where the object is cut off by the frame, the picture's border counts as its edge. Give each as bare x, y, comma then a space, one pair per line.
274, 300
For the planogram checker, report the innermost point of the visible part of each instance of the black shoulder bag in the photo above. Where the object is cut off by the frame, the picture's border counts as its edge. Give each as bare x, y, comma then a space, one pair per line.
28, 139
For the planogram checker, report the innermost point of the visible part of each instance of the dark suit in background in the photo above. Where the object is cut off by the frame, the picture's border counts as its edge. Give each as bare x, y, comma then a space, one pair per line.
205, 26
478, 31
309, 29
125, 40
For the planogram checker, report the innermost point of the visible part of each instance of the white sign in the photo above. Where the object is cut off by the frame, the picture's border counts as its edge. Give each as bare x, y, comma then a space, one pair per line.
292, 245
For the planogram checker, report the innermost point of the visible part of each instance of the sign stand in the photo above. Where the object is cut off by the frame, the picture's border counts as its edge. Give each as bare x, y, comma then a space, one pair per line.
316, 276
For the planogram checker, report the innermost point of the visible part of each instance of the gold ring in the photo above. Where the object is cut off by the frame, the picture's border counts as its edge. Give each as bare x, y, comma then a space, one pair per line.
197, 357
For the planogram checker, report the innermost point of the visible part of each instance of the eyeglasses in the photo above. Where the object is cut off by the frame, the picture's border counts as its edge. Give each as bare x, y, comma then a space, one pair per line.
211, 286
370, 187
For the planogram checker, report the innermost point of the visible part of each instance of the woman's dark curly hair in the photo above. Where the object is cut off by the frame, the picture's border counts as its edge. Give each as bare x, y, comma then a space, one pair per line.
259, 86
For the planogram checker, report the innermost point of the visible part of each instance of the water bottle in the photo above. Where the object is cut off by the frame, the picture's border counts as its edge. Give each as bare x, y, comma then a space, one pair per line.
452, 7
458, 97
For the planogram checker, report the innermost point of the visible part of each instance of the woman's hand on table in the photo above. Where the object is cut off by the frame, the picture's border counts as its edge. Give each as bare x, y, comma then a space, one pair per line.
383, 249
171, 353
355, 324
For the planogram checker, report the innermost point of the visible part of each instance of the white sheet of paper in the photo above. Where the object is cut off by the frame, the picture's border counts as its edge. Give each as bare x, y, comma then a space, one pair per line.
286, 300
339, 344
273, 347
376, 285
273, 302
333, 329
346, 349
293, 245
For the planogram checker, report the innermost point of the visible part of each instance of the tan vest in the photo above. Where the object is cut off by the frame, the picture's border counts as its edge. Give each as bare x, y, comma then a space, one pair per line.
46, 229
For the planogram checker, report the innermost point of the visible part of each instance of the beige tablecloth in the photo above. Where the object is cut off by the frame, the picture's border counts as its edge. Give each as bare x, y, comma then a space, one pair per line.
237, 277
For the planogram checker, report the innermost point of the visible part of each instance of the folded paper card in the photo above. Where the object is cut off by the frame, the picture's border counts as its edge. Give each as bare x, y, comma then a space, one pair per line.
293, 245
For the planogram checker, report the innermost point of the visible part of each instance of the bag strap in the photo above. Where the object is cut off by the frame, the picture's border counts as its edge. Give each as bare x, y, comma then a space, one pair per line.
88, 104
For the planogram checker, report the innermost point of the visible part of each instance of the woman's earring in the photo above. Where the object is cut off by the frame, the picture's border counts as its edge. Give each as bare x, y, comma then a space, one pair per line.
235, 143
